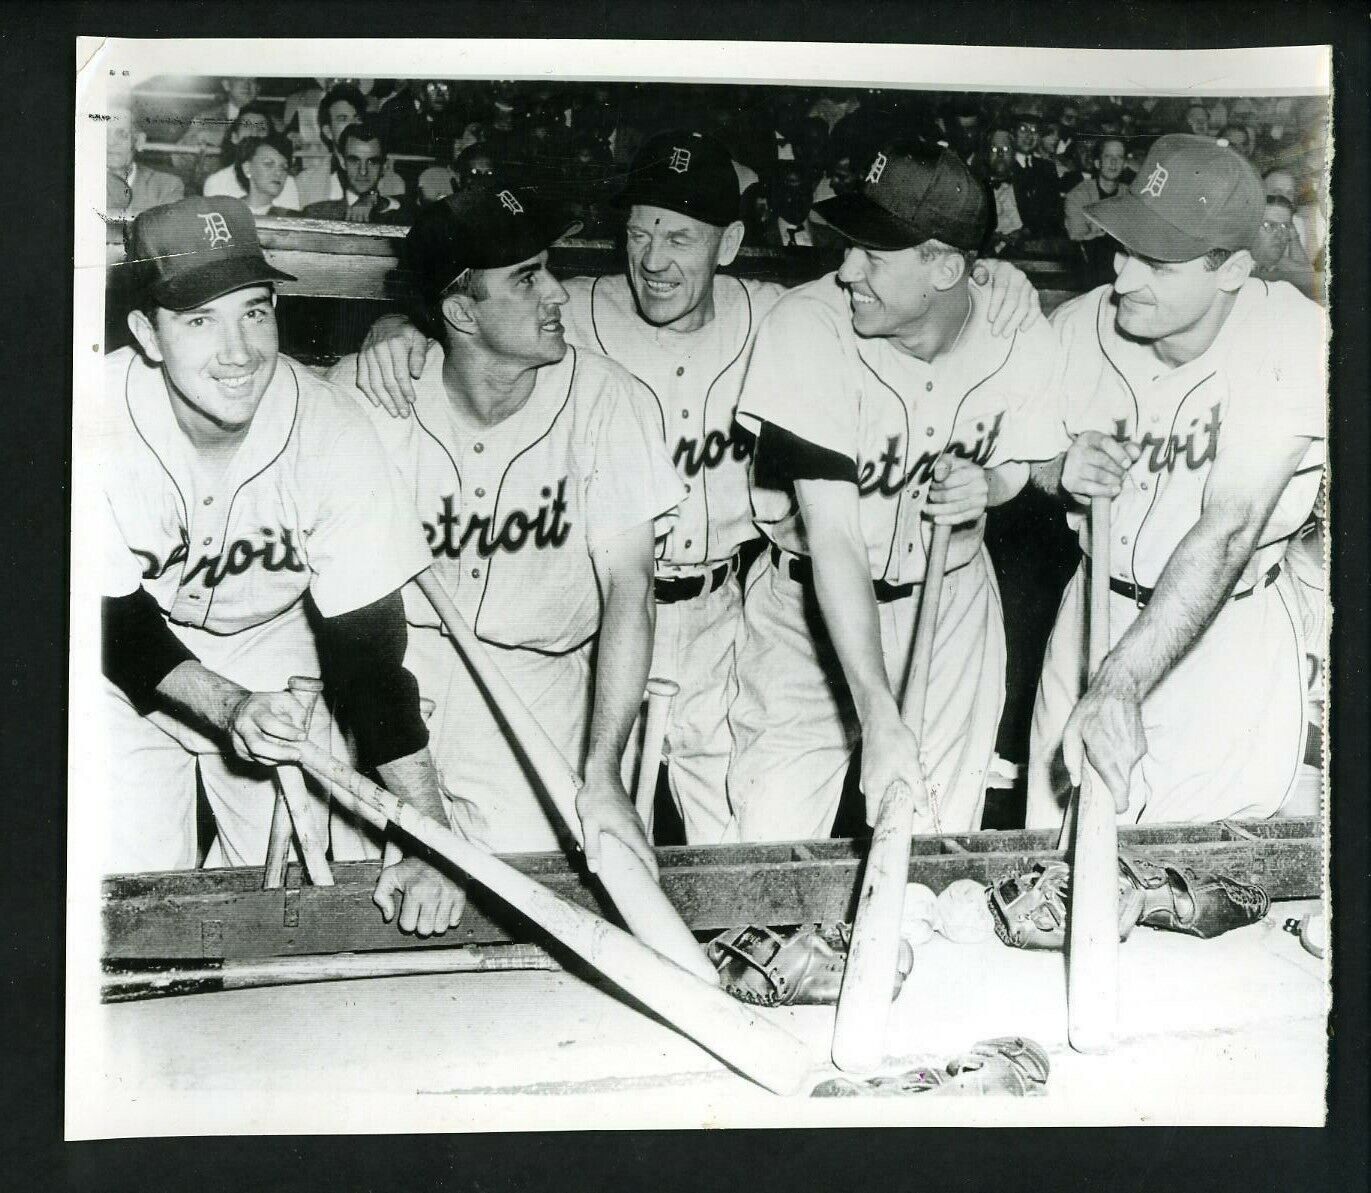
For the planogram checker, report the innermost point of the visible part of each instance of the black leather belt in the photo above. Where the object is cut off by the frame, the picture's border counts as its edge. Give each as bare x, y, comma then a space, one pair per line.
799, 569
669, 589
1140, 595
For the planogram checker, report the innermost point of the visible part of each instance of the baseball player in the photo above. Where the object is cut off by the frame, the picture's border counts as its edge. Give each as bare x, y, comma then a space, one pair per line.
883, 402
685, 331
1194, 397
539, 472
244, 496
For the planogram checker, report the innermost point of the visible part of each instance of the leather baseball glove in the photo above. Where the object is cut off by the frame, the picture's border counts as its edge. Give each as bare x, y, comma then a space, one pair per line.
797, 966
1030, 908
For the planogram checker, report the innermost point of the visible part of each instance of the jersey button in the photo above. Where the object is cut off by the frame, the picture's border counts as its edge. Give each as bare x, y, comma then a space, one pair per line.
929, 432
478, 448
685, 413
687, 543
475, 573
915, 493
929, 386
687, 488
1143, 486
1123, 538
209, 500
207, 540
680, 370
480, 492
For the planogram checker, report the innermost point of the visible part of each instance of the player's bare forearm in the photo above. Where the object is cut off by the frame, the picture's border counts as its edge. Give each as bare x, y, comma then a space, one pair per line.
1203, 570
206, 696
414, 779
842, 584
623, 566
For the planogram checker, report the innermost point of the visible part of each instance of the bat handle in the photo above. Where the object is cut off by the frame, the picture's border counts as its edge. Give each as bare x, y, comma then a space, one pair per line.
290, 813
1092, 994
660, 693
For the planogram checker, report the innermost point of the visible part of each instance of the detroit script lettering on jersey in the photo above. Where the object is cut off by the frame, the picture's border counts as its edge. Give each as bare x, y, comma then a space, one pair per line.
273, 551
885, 480
547, 526
1163, 452
691, 457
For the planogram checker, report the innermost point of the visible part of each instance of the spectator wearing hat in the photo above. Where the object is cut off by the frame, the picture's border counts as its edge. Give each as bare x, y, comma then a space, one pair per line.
1193, 397
883, 400
240, 555
539, 471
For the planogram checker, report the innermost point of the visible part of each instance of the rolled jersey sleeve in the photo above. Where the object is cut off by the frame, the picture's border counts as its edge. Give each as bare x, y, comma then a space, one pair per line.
795, 378
367, 539
631, 477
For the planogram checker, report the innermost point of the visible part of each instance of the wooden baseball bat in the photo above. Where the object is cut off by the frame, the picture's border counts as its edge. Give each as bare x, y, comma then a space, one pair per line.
646, 910
873, 956
660, 693
736, 1033
210, 977
1092, 986
294, 811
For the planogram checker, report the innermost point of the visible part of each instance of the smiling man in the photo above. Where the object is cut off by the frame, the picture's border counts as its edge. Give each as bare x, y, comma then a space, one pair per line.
1194, 397
247, 499
683, 329
538, 472
362, 152
883, 402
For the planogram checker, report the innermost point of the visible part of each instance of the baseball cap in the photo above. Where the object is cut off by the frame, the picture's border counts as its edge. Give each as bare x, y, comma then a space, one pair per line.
195, 250
486, 225
912, 193
1190, 196
689, 172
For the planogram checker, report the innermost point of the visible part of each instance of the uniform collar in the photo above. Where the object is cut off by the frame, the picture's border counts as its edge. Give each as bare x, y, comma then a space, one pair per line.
551, 387
149, 406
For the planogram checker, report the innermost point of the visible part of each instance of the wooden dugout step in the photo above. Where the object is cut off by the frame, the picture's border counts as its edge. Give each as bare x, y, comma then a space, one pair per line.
224, 915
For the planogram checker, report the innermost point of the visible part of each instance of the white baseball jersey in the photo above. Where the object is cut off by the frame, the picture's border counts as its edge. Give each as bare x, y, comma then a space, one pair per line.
511, 511
894, 415
1261, 379
695, 378
1225, 728
307, 503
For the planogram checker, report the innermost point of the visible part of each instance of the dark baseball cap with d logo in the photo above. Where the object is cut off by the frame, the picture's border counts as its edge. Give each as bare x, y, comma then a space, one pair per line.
487, 225
1191, 195
688, 172
912, 193
193, 251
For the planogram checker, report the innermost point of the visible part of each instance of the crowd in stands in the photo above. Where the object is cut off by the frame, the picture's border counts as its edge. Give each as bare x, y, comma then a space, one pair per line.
371, 150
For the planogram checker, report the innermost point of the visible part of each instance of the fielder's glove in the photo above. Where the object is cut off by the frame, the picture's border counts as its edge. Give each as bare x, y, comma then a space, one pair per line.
797, 966
1030, 908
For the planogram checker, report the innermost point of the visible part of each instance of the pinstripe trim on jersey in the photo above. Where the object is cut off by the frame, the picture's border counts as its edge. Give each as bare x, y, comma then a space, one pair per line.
1113, 364
495, 511
709, 392
228, 518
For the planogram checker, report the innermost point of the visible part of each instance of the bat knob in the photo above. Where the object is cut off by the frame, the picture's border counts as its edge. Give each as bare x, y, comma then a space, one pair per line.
657, 686
305, 684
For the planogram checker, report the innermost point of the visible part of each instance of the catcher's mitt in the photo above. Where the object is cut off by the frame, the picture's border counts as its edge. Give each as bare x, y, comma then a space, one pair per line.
1181, 899
798, 966
1030, 908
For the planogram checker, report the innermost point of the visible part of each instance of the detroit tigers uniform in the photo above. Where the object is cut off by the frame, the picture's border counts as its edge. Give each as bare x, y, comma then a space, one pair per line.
1226, 728
893, 416
694, 379
510, 513
307, 504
